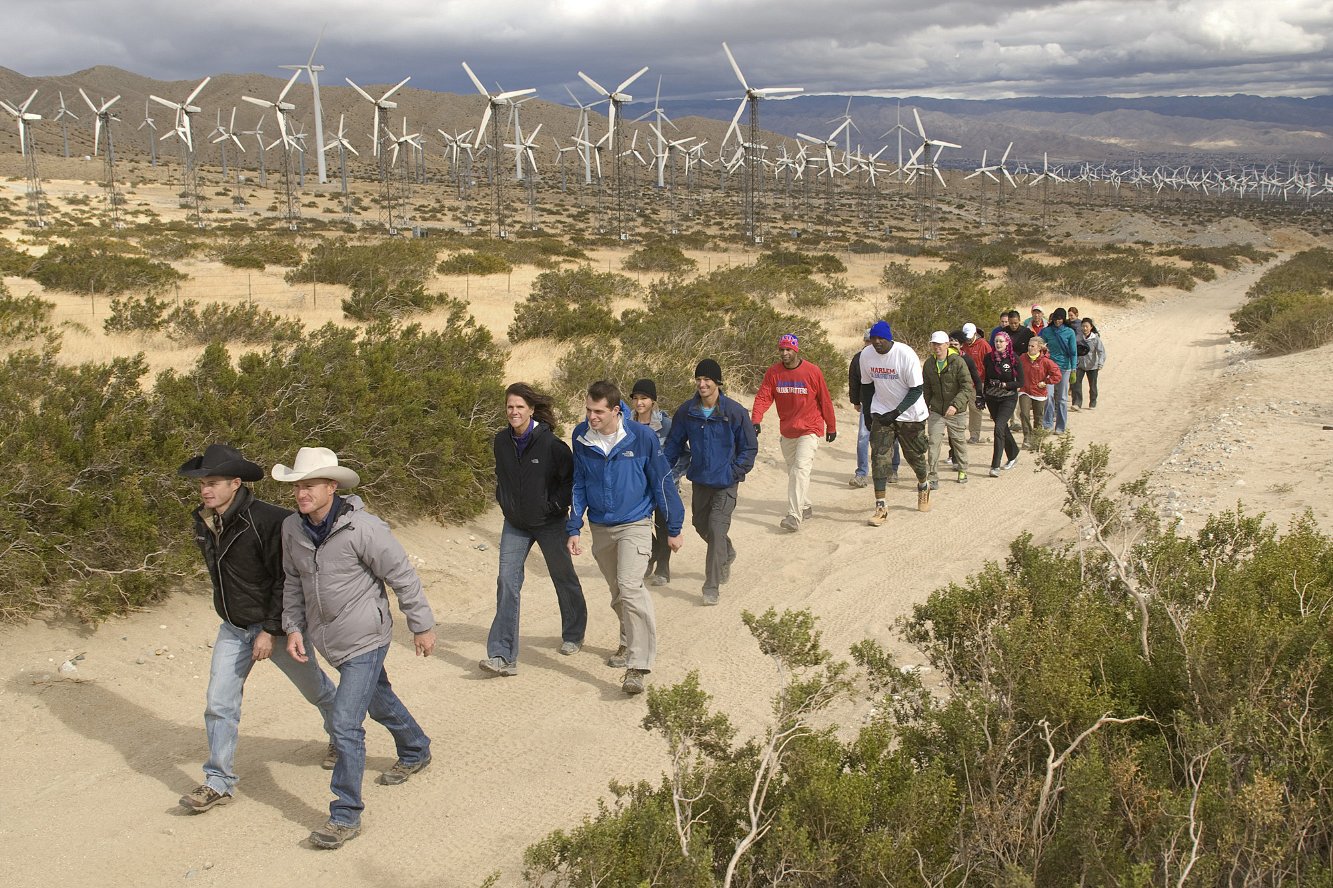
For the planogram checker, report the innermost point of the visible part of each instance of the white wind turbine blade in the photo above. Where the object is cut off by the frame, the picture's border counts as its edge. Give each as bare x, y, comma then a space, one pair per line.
938, 175
735, 67
197, 90
290, 83
91, 106
395, 88
594, 84
735, 119
481, 130
365, 95
513, 94
475, 82
633, 77
921, 130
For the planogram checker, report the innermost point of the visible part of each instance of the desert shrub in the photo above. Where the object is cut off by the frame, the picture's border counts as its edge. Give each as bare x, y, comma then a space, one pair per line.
1070, 737
1308, 326
24, 317
343, 261
1090, 279
1288, 308
94, 268
475, 262
922, 302
93, 516
995, 254
570, 303
218, 322
380, 300
170, 246
1228, 256
1309, 271
802, 263
259, 253
541, 252
131, 314
13, 261
659, 256
680, 324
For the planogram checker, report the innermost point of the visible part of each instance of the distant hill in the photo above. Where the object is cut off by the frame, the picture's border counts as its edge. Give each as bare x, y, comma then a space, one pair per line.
1197, 129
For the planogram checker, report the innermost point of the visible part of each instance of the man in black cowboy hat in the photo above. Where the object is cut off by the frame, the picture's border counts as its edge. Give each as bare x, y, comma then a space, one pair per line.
241, 540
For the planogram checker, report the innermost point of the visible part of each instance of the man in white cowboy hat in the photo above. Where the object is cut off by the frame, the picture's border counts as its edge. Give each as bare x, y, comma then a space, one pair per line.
338, 558
240, 537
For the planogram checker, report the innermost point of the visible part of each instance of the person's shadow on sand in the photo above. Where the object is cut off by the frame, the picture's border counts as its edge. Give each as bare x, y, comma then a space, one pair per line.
171, 753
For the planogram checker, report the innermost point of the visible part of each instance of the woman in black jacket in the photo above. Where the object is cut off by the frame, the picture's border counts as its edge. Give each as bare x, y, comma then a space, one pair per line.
534, 479
1001, 397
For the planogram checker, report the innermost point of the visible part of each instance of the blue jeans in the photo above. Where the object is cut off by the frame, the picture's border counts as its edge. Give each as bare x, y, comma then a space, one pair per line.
863, 448
232, 662
1057, 405
515, 544
364, 689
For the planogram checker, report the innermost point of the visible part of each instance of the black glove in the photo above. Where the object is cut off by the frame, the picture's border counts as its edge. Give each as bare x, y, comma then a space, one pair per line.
831, 437
756, 430
891, 416
981, 403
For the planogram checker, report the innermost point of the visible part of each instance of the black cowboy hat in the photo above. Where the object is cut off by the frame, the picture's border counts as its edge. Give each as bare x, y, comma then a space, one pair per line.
222, 461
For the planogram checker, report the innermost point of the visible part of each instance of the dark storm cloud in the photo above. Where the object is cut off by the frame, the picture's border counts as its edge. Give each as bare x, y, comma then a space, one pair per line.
962, 49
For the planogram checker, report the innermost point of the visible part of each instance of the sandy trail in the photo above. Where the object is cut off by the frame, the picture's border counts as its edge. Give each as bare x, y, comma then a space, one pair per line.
90, 769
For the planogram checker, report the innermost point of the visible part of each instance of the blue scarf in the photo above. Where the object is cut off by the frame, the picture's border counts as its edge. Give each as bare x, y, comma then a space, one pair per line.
318, 533
522, 441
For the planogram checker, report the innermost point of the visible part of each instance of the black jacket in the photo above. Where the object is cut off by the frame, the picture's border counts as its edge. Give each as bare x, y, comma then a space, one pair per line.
537, 487
245, 562
854, 379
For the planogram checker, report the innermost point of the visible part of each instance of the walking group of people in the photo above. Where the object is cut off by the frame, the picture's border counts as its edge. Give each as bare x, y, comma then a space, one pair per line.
289, 583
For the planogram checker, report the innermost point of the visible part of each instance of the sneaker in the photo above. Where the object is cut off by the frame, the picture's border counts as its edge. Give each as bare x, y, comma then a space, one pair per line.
1076, 408
948, 464
962, 477
790, 523
401, 770
203, 797
658, 580
620, 659
332, 836
498, 666
330, 757
923, 497
710, 597
995, 473
858, 481
1009, 465
568, 648
881, 515
975, 439
934, 485
632, 683
807, 513
893, 477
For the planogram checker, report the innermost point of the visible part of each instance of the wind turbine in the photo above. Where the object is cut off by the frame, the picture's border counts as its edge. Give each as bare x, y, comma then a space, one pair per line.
23, 117
64, 124
344, 146
225, 134
615, 99
926, 182
258, 133
752, 200
102, 121
381, 104
494, 102
185, 111
313, 71
662, 143
152, 131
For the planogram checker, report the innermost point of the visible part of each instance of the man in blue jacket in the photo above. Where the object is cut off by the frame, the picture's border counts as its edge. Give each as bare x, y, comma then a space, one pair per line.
620, 477
717, 433
1063, 344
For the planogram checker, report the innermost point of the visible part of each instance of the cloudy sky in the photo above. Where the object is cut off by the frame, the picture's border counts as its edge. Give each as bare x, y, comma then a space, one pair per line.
947, 48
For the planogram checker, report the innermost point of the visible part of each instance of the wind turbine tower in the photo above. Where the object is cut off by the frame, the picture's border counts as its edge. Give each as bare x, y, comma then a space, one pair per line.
185, 111
615, 100
343, 147
24, 119
152, 132
752, 179
927, 174
61, 116
283, 108
494, 102
313, 71
102, 123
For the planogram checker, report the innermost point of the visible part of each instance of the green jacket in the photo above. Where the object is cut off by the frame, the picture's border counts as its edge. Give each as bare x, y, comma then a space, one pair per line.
952, 386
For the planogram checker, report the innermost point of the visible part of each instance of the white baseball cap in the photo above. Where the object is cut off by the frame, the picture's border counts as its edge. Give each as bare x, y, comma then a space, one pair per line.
969, 330
939, 337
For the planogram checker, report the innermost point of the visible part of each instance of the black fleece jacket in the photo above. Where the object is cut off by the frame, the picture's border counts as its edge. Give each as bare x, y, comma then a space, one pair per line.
245, 562
536, 487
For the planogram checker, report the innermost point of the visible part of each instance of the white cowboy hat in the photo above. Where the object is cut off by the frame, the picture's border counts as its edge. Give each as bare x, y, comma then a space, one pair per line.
316, 462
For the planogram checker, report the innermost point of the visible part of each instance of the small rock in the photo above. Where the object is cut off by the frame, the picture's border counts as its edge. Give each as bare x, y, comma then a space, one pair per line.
472, 538
68, 668
141, 661
482, 547
1240, 482
171, 656
124, 638
160, 651
162, 626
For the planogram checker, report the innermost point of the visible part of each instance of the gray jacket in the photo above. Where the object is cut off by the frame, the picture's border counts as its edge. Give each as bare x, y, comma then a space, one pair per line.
335, 595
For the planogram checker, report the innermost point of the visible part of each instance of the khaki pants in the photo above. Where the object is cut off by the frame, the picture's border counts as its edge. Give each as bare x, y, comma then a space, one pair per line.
622, 552
800, 456
974, 418
956, 426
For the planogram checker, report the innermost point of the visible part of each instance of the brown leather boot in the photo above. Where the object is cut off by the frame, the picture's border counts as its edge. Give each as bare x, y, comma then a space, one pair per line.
923, 497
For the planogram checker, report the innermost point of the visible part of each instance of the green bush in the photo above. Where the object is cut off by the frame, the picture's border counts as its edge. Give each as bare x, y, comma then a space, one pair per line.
1228, 256
1288, 308
569, 304
1309, 271
101, 268
24, 317
13, 261
380, 300
259, 253
343, 261
136, 315
217, 322
660, 256
937, 300
475, 262
801, 263
170, 246
94, 518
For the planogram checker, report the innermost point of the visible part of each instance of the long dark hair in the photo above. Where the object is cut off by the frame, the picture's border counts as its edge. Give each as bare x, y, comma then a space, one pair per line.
542, 408
1089, 322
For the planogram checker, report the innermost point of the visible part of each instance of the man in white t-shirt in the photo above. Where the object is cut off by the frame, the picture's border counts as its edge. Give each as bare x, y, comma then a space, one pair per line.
891, 385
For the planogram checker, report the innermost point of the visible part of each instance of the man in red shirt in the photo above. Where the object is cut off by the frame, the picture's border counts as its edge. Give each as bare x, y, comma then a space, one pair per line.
976, 348
805, 413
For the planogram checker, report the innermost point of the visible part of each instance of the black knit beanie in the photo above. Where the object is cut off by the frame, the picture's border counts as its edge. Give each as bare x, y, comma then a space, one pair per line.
644, 387
709, 368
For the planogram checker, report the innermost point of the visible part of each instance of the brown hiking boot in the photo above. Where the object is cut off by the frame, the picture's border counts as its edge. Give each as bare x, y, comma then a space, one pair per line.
202, 798
620, 659
332, 836
330, 757
923, 497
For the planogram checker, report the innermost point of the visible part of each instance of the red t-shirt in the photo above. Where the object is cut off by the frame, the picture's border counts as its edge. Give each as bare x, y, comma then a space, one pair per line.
804, 405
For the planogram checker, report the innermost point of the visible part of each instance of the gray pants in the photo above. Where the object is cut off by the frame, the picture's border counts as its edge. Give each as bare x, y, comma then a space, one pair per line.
710, 513
956, 427
974, 418
622, 552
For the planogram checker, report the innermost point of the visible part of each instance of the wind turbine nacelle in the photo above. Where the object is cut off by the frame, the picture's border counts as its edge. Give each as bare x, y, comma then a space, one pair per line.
285, 106
387, 106
191, 109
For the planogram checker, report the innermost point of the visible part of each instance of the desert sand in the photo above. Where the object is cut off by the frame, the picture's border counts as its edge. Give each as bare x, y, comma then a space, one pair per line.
92, 762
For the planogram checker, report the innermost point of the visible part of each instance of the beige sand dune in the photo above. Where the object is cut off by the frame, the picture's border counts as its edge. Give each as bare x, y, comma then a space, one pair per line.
91, 765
